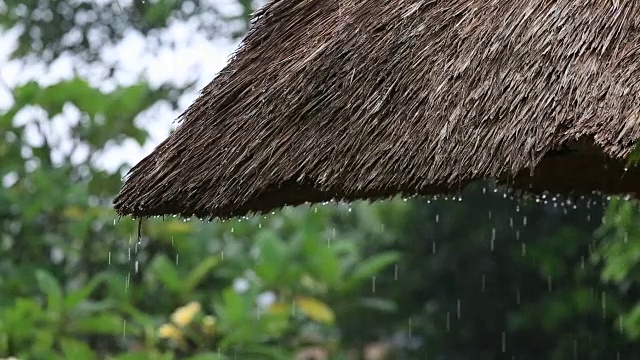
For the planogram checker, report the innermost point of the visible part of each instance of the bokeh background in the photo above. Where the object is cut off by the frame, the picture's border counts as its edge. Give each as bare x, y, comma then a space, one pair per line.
88, 87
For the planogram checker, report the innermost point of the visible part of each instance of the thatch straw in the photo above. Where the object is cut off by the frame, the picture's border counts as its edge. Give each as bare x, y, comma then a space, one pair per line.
354, 99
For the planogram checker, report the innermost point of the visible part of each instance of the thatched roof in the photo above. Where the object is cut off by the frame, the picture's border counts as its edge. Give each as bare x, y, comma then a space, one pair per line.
345, 99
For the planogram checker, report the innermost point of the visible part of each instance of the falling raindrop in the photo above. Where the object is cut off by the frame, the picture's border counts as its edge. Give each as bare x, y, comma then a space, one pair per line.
136, 266
437, 218
124, 329
410, 328
433, 247
176, 258
604, 305
126, 284
493, 238
620, 322
373, 284
504, 342
109, 257
626, 237
582, 262
232, 229
222, 255
490, 215
129, 254
524, 249
395, 272
448, 321
549, 283
511, 222
458, 309
524, 220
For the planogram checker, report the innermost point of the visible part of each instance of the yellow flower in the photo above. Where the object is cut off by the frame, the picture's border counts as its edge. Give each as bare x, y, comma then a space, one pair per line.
183, 315
208, 323
169, 331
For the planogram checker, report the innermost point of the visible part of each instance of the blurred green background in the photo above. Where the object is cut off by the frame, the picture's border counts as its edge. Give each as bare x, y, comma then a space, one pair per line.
482, 276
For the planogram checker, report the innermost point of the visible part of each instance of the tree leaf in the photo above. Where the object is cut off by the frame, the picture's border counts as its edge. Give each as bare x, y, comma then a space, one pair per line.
370, 267
74, 349
50, 286
315, 310
166, 272
196, 275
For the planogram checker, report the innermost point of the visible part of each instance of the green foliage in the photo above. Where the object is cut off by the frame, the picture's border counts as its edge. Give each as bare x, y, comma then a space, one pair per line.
51, 28
429, 279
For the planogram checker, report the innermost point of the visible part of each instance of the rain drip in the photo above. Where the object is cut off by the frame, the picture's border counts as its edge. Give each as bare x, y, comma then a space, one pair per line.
448, 321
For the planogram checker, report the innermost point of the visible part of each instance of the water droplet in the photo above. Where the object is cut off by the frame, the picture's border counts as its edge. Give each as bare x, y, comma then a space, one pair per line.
504, 342
448, 321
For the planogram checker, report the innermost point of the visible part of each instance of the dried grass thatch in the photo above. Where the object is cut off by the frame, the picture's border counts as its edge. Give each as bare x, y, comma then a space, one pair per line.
351, 99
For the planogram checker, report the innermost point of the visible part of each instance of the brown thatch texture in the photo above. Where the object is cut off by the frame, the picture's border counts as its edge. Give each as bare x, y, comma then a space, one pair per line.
366, 99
